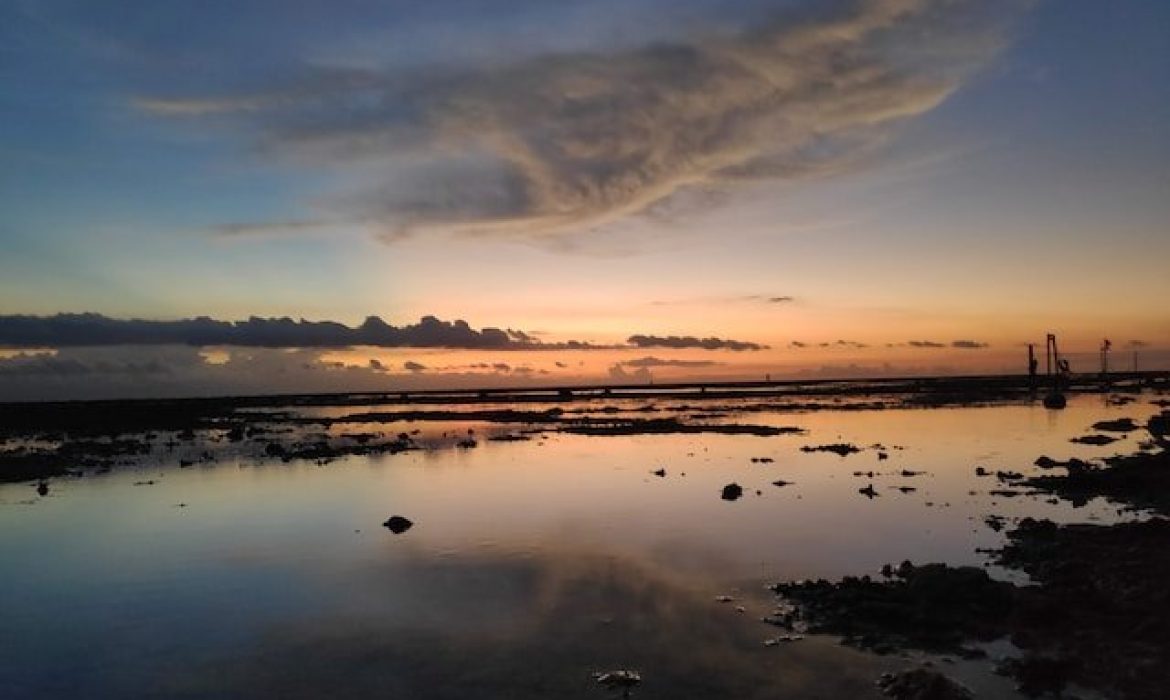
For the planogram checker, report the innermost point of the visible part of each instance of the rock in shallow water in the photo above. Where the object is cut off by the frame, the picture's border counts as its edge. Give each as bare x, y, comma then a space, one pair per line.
398, 524
622, 679
1120, 425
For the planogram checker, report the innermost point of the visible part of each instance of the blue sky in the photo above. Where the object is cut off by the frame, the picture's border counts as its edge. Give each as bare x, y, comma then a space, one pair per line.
324, 160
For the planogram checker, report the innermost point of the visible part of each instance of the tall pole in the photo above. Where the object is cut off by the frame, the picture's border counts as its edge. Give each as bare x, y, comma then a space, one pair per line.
1032, 365
1048, 345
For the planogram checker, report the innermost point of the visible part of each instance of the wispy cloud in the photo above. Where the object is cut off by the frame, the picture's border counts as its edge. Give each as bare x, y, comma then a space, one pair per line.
969, 344
728, 299
563, 142
957, 344
275, 228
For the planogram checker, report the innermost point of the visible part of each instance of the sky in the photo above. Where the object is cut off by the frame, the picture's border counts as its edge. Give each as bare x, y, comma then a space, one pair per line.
599, 190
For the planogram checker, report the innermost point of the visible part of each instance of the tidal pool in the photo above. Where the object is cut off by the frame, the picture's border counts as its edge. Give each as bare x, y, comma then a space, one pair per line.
531, 564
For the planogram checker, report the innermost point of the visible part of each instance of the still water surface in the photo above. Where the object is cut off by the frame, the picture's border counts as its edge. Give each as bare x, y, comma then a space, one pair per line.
531, 564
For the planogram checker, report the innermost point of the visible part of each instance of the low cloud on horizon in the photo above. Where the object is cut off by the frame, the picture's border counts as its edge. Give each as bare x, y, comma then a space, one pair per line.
957, 344
92, 329
174, 371
690, 341
651, 361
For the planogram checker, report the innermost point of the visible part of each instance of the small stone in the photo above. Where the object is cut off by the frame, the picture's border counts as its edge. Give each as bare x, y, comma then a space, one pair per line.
621, 679
398, 524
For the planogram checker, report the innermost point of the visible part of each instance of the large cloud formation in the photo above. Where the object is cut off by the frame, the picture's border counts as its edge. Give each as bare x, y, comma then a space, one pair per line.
560, 142
90, 329
93, 330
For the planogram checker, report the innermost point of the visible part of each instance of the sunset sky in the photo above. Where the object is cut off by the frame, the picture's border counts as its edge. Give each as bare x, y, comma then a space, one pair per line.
824, 188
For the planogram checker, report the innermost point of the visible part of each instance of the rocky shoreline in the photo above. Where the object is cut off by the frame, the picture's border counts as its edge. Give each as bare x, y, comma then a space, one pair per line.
1094, 616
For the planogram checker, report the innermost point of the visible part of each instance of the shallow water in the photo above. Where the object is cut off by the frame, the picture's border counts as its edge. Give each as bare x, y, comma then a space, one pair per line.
531, 564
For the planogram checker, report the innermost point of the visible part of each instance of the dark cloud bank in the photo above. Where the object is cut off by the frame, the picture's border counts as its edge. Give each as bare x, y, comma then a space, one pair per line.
88, 329
92, 330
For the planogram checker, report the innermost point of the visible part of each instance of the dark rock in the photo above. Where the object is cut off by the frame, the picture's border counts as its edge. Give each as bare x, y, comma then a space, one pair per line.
732, 492
1046, 462
621, 679
510, 438
1094, 440
1159, 427
659, 472
782, 639
1141, 480
932, 607
398, 524
922, 684
842, 449
1093, 615
1037, 675
1120, 425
